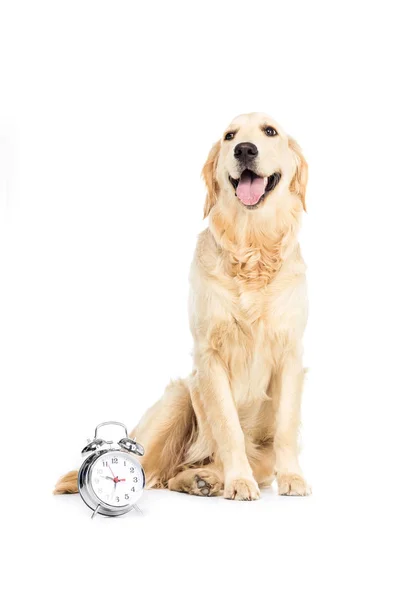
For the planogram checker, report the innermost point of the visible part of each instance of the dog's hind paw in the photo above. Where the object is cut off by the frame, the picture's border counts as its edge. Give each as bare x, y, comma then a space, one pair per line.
198, 482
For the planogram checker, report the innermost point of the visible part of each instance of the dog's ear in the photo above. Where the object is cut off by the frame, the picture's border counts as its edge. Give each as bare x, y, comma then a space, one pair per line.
209, 176
299, 182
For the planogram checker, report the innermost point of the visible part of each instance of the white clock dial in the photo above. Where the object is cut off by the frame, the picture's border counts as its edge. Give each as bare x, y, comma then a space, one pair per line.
117, 479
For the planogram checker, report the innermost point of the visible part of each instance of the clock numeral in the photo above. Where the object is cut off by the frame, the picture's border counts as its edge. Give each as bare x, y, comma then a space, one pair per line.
114, 461
100, 490
99, 471
126, 496
124, 463
131, 470
105, 463
134, 479
133, 489
97, 480
117, 499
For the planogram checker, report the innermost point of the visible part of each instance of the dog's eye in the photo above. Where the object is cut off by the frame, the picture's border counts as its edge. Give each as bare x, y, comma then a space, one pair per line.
229, 136
270, 131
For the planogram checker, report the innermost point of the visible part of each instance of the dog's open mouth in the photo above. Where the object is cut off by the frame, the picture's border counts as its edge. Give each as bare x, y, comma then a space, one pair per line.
251, 189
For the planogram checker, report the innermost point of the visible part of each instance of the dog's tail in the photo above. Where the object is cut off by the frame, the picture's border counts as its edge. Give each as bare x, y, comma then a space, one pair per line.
67, 484
166, 432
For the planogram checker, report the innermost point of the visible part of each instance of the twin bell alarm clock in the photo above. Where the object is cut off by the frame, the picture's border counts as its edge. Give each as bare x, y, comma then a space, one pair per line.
111, 480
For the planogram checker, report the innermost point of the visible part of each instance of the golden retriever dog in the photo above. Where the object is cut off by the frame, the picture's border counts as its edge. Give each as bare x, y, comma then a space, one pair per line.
232, 426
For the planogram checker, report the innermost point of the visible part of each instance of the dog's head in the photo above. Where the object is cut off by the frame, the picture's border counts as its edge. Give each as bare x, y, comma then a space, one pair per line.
253, 163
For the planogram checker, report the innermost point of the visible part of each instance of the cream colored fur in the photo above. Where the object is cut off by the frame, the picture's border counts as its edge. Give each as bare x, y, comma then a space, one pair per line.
233, 424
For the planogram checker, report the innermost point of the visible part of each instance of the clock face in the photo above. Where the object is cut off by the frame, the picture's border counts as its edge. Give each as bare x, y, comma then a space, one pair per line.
117, 479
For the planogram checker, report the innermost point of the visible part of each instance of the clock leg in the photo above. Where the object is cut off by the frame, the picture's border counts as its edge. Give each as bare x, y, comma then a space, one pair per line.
95, 512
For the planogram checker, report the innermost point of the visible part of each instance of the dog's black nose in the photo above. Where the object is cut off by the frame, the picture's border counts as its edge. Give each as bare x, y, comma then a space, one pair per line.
245, 151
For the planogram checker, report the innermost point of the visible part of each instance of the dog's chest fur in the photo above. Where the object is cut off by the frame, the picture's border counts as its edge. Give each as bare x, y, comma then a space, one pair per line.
251, 310
253, 342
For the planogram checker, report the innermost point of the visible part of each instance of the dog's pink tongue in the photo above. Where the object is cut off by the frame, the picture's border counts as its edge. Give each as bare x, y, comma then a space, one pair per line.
250, 191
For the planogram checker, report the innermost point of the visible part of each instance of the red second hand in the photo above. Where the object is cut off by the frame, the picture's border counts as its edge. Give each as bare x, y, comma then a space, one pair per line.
115, 478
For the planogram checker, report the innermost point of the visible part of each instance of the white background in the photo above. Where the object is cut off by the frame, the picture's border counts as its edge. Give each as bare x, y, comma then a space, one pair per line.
107, 112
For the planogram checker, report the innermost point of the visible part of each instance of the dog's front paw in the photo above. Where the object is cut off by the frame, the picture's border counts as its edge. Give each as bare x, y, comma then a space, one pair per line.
241, 489
291, 484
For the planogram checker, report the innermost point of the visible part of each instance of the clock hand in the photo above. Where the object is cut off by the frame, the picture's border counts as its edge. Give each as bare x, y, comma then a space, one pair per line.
115, 479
